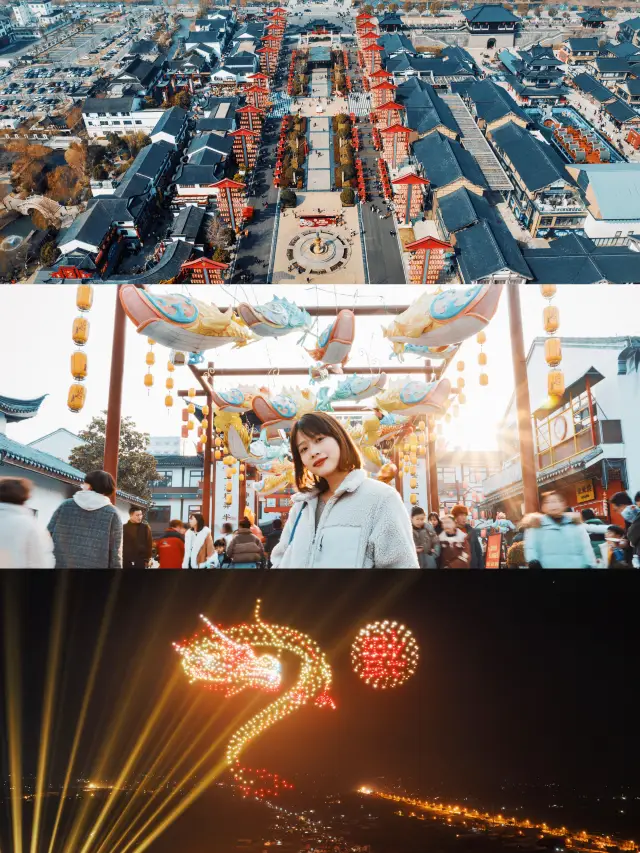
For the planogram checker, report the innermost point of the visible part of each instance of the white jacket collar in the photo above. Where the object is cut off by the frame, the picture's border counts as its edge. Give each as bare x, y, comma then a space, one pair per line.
91, 500
351, 482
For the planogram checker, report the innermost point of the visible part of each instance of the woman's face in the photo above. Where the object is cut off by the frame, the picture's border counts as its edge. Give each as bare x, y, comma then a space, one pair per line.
320, 455
193, 522
433, 518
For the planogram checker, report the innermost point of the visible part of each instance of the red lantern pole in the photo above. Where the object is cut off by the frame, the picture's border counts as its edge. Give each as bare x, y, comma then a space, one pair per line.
523, 402
114, 406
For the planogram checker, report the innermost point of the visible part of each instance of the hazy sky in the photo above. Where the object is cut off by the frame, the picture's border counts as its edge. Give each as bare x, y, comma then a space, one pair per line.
36, 345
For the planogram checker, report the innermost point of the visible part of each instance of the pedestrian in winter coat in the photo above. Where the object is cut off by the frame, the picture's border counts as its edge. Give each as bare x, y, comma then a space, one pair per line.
198, 544
137, 541
245, 549
86, 529
24, 544
455, 547
434, 521
556, 539
461, 516
339, 518
170, 547
274, 537
425, 539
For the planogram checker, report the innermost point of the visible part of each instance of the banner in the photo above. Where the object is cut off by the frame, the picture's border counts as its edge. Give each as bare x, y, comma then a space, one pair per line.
494, 551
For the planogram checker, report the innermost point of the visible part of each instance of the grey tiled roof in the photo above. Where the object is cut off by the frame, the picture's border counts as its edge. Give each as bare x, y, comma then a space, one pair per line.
425, 108
492, 102
445, 161
577, 260
536, 163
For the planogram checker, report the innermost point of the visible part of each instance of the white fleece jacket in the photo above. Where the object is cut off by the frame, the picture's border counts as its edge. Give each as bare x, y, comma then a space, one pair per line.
364, 525
24, 543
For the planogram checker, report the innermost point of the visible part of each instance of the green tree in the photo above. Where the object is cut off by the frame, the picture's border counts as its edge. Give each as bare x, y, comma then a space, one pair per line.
48, 253
347, 196
288, 198
221, 255
182, 99
136, 466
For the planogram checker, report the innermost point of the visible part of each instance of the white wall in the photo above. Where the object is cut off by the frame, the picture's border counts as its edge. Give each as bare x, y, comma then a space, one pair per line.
629, 391
59, 444
48, 493
610, 227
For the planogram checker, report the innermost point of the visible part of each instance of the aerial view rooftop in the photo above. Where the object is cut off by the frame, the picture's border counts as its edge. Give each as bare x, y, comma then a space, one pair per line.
319, 142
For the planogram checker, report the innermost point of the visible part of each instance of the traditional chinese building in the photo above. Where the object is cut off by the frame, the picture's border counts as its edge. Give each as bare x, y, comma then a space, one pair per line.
203, 271
428, 257
409, 196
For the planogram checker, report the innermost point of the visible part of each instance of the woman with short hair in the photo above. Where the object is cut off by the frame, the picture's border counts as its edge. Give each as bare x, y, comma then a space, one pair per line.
24, 544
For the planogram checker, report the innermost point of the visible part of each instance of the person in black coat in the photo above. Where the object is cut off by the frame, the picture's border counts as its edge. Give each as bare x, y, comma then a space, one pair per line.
461, 516
273, 538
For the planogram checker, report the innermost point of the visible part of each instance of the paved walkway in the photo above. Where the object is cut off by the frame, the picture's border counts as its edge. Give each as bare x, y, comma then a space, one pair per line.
319, 161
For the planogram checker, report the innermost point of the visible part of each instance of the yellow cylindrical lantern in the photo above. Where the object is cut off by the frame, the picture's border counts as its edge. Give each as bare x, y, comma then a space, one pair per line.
170, 367
228, 499
461, 382
412, 470
191, 392
80, 331
168, 401
242, 467
551, 317
217, 454
151, 342
148, 380
218, 442
84, 297
413, 483
228, 486
203, 438
421, 451
79, 365
482, 359
228, 459
460, 366
407, 447
548, 290
481, 338
413, 499
190, 424
191, 408
484, 379
462, 399
553, 351
555, 383
205, 410
205, 423
150, 358
169, 383
241, 478
77, 397
422, 426
413, 456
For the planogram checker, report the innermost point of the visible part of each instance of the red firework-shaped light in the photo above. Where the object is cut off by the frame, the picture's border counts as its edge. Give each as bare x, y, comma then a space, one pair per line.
384, 654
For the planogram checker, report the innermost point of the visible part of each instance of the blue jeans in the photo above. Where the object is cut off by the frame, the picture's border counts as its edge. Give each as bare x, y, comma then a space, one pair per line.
243, 566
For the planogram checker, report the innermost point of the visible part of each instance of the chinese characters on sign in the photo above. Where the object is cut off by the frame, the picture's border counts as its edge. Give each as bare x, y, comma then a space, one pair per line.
494, 551
585, 491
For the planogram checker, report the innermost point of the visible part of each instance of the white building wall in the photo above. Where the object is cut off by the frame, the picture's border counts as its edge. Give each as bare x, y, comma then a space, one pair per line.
59, 444
629, 392
48, 493
610, 227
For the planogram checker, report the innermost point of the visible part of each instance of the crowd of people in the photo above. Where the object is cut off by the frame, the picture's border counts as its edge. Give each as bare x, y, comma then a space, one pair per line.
339, 518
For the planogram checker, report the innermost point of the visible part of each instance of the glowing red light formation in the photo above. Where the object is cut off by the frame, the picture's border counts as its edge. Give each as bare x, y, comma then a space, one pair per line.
227, 660
384, 654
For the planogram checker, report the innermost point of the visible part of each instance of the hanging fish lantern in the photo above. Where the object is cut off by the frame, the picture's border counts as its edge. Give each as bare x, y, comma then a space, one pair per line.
274, 319
446, 318
334, 344
352, 388
180, 322
275, 482
415, 397
234, 399
422, 351
281, 411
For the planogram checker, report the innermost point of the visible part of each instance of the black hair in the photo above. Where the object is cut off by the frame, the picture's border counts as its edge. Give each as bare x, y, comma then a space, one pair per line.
637, 497
245, 524
227, 528
417, 510
220, 543
277, 524
613, 528
199, 520
587, 514
101, 482
621, 499
133, 509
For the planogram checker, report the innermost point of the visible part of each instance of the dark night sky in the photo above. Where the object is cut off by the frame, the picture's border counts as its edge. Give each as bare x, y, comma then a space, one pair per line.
521, 676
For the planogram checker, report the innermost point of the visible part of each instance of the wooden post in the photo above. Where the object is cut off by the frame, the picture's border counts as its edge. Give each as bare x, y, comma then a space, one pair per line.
432, 462
114, 406
523, 402
206, 482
